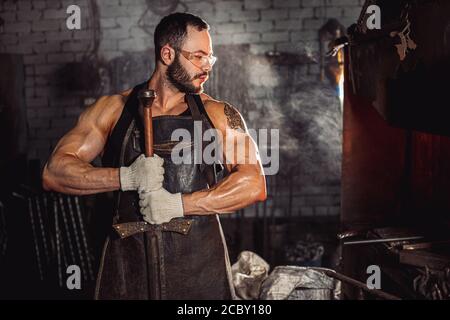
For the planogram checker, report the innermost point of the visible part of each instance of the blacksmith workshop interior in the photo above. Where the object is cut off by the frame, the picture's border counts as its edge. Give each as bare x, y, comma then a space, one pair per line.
358, 186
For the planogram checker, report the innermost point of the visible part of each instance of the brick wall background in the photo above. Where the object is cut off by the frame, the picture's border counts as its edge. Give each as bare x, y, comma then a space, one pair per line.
36, 29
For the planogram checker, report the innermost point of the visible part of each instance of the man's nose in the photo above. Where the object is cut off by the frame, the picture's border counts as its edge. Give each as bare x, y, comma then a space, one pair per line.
207, 67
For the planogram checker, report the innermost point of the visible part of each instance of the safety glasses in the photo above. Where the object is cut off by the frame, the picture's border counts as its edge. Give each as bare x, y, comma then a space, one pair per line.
199, 60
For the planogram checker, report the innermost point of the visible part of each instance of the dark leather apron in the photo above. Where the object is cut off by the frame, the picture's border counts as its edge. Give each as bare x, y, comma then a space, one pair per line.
186, 258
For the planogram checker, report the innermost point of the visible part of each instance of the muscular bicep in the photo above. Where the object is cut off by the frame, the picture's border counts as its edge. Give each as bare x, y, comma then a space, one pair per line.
238, 147
87, 139
82, 142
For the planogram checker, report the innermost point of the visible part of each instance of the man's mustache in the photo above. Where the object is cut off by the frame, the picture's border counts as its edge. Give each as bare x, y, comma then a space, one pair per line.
200, 75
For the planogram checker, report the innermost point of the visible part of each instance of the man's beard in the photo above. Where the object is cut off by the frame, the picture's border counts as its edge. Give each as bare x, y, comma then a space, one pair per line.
180, 78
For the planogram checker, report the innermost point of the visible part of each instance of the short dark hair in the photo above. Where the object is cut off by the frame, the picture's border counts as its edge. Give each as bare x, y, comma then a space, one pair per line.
172, 30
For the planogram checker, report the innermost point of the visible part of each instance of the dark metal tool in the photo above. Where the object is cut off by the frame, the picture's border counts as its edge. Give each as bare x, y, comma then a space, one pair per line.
369, 241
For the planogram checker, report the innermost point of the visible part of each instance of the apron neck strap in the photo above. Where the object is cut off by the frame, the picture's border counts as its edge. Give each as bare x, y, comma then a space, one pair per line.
193, 101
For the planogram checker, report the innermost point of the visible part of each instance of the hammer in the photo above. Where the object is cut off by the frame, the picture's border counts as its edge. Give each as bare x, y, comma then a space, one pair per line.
146, 98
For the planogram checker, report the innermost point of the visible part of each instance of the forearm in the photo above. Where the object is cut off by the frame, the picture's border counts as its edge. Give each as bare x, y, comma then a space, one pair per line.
72, 176
240, 189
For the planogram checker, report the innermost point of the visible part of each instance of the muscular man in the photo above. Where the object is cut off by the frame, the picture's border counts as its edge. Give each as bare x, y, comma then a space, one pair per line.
166, 240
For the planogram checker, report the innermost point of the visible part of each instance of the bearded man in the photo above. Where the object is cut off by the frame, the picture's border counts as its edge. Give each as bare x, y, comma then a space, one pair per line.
166, 241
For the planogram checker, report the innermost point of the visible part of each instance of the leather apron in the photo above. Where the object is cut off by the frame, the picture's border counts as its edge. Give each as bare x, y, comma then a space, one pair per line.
186, 258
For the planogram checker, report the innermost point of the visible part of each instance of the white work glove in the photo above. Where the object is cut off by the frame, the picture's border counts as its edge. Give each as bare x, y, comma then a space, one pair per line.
144, 174
160, 206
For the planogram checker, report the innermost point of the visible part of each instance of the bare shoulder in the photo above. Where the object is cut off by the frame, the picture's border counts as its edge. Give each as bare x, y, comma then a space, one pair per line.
223, 114
105, 112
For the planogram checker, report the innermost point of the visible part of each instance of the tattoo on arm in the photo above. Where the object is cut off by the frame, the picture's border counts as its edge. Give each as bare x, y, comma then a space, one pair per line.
233, 117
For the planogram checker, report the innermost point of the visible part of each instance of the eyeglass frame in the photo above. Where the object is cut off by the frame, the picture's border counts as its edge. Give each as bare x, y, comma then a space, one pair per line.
188, 55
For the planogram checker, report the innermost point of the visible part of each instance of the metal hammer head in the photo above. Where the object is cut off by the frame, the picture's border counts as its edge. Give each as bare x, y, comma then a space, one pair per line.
146, 97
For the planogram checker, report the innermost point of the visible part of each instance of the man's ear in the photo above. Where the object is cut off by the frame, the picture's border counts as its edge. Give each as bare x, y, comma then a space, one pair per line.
167, 55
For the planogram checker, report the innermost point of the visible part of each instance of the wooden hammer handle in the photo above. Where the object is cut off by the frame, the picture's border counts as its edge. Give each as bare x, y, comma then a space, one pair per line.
146, 98
148, 132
